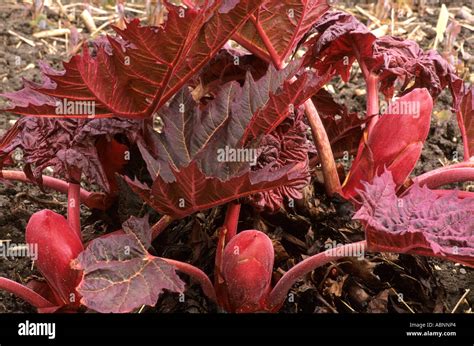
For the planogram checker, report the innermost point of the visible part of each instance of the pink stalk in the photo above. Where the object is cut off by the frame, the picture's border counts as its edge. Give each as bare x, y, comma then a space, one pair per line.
74, 208
196, 274
160, 226
372, 107
279, 293
25, 293
325, 154
372, 81
323, 145
49, 182
457, 173
231, 220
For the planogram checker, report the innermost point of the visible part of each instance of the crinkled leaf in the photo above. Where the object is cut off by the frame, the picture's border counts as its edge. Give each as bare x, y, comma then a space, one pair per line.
419, 223
287, 144
345, 133
224, 68
136, 73
7, 146
467, 115
250, 108
47, 143
193, 191
291, 96
119, 273
275, 29
341, 39
236, 118
190, 151
70, 146
395, 141
397, 59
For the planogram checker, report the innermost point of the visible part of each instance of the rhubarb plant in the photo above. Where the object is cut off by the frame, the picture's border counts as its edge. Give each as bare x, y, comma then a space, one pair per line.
234, 99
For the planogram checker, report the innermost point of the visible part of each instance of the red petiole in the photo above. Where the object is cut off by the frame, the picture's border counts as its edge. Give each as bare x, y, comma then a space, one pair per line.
74, 206
231, 220
25, 293
90, 199
456, 173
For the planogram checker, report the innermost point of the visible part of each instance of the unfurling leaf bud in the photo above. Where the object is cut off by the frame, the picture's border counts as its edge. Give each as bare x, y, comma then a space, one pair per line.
58, 245
248, 271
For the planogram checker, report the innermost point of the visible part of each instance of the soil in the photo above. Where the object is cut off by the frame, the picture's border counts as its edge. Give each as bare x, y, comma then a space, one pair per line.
377, 283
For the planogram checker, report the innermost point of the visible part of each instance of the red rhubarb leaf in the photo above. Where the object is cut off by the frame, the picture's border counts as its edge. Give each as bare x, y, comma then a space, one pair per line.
467, 125
420, 222
119, 273
138, 72
285, 145
326, 106
231, 64
340, 40
291, 95
398, 59
394, 142
194, 131
193, 191
276, 28
70, 145
193, 154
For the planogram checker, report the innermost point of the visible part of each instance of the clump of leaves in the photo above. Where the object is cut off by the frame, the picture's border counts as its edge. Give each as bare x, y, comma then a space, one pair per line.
233, 131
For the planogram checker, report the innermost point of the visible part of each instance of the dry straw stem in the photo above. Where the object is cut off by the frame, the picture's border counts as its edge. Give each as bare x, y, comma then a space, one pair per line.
461, 300
24, 39
373, 18
53, 33
88, 21
441, 25
62, 10
400, 299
